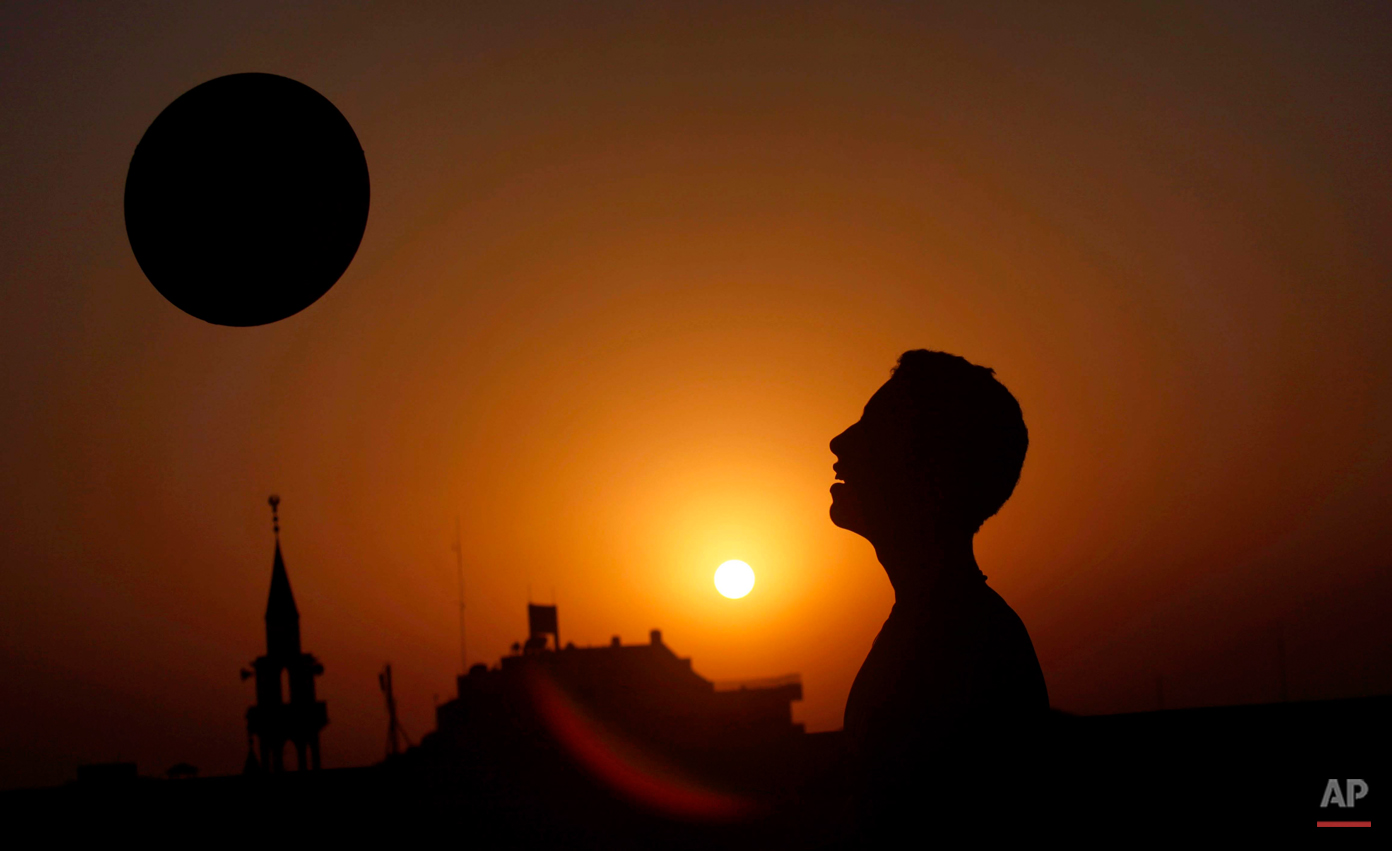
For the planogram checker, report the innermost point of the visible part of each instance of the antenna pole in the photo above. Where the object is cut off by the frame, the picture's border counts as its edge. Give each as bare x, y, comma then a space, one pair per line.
459, 564
1281, 659
384, 680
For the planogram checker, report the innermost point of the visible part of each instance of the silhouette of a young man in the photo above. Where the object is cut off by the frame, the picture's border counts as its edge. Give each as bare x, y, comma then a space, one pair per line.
952, 683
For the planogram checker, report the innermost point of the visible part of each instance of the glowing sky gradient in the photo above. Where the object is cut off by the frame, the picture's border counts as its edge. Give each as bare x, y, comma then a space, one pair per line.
628, 269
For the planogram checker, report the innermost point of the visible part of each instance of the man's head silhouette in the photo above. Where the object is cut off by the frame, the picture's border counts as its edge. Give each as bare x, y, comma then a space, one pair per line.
937, 451
952, 682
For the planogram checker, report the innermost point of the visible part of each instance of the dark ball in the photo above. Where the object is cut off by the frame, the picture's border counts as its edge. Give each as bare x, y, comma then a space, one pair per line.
247, 199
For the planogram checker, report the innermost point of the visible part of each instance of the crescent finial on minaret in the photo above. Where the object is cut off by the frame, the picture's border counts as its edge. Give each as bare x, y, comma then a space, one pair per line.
275, 514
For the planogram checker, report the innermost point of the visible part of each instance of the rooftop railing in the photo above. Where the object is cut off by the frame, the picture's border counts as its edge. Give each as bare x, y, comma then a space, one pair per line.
766, 682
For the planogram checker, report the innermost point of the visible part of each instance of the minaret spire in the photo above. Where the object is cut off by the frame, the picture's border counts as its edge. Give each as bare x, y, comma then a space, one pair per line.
281, 715
282, 615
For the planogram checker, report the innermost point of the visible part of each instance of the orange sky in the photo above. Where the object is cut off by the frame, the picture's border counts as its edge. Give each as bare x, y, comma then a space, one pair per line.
628, 269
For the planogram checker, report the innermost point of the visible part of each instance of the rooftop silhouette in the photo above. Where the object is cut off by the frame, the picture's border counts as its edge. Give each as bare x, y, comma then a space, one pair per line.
645, 691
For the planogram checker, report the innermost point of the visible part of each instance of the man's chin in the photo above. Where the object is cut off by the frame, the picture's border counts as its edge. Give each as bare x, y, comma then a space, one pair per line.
845, 515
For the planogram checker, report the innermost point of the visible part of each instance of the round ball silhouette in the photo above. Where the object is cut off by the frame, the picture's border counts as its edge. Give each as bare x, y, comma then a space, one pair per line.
246, 199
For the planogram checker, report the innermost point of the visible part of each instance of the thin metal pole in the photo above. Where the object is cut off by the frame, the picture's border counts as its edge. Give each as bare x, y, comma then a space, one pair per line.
1281, 659
459, 563
384, 679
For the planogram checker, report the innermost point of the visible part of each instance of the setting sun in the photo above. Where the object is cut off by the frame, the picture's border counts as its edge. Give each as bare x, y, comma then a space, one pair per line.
734, 579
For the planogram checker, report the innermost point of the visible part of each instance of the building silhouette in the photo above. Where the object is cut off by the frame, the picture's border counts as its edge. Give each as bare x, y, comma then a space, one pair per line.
644, 693
286, 709
624, 746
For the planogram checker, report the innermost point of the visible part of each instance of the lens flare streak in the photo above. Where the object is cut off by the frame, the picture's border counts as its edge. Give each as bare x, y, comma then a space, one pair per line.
615, 763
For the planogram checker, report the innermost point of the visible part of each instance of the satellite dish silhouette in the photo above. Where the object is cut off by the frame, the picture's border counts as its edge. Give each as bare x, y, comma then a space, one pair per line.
246, 199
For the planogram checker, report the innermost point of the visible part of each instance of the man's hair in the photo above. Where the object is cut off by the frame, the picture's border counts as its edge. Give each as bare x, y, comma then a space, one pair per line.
969, 430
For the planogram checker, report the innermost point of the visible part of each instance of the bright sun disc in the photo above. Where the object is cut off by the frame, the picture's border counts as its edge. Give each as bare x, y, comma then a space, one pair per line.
734, 579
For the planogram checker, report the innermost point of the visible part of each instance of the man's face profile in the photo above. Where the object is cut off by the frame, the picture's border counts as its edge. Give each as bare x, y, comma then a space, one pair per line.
882, 482
937, 452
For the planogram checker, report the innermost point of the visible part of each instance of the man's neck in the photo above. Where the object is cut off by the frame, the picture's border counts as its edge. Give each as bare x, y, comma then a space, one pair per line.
925, 568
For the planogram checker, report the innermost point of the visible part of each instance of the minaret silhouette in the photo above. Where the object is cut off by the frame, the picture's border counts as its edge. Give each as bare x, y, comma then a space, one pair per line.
282, 616
275, 720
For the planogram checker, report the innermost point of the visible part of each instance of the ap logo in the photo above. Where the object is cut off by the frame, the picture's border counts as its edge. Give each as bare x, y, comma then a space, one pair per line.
1355, 789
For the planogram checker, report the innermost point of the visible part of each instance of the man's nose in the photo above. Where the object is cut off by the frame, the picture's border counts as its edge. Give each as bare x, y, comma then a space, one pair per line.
841, 442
